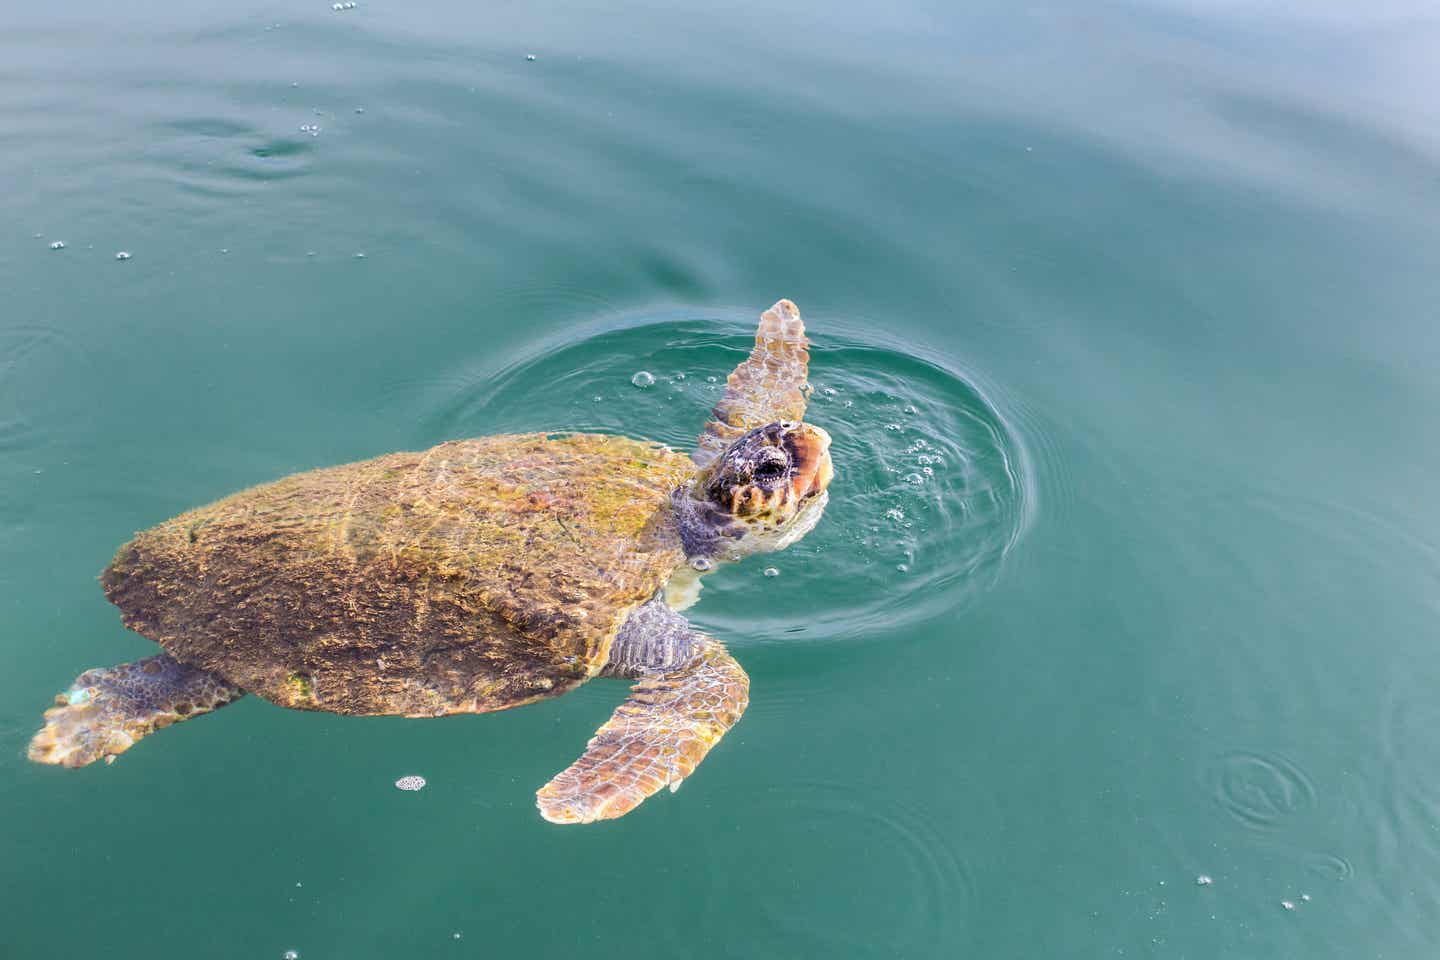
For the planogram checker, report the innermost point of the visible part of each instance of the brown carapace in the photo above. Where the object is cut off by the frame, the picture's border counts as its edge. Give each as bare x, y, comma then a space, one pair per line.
475, 576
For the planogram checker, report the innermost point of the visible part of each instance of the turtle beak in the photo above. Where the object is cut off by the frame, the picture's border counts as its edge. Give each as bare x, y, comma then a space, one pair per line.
812, 469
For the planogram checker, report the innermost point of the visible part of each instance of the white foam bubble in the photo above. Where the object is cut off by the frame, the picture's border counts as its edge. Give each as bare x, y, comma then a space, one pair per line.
411, 783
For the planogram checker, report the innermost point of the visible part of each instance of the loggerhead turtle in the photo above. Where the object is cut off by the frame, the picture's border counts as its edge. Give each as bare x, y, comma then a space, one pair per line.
475, 576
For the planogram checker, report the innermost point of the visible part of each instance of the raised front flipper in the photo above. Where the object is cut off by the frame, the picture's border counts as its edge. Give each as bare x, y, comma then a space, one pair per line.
655, 738
109, 708
769, 386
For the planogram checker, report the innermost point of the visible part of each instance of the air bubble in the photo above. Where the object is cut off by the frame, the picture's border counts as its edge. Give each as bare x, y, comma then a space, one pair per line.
903, 567
596, 399
1287, 904
702, 564
311, 128
712, 379
58, 245
410, 783
643, 379
1203, 880
893, 427
291, 955
122, 255
895, 513
530, 57
360, 256
679, 376
914, 478
771, 572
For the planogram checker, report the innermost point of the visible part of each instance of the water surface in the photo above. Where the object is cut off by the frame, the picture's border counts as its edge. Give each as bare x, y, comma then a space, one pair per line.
1149, 288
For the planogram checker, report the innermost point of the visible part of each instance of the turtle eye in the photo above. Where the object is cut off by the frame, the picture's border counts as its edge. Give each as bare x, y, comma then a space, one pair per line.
769, 470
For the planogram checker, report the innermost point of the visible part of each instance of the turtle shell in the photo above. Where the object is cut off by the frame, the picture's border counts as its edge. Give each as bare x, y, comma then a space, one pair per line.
474, 576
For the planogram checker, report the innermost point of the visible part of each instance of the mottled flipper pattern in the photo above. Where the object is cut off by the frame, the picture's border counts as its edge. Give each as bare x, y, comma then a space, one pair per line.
770, 385
109, 708
655, 738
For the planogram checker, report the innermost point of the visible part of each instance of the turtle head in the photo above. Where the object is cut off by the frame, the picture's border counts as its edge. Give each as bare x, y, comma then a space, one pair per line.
767, 489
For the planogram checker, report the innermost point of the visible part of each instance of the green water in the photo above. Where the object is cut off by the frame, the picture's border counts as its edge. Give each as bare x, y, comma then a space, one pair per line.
1151, 288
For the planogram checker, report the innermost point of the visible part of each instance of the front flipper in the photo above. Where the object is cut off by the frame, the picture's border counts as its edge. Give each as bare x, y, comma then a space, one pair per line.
655, 738
769, 385
109, 708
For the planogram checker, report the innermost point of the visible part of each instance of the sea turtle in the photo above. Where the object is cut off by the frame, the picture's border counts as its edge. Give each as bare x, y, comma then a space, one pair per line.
474, 576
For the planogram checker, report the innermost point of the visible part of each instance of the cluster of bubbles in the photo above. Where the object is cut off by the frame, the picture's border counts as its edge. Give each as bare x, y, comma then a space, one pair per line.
347, 5
311, 128
411, 783
61, 245
1205, 880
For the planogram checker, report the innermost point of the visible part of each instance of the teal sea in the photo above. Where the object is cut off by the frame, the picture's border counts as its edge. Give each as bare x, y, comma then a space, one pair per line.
1120, 637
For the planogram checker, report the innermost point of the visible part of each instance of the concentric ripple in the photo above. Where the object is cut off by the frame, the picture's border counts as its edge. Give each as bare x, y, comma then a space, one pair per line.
1329, 866
1260, 791
930, 492
904, 890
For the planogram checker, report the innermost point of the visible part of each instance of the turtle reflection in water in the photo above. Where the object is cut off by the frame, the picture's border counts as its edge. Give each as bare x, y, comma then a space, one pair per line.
474, 576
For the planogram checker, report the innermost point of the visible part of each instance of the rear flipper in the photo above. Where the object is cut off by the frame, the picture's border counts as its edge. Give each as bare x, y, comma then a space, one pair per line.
107, 709
655, 738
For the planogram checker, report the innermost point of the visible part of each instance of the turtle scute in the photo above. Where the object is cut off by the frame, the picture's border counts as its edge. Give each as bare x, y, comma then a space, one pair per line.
474, 576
